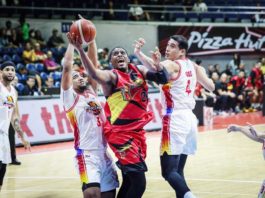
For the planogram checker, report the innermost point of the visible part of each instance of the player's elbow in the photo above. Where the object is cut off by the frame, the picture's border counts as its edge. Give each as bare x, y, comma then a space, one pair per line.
211, 87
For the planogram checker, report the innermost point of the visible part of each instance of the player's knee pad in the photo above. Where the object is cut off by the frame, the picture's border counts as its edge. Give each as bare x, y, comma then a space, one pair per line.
86, 186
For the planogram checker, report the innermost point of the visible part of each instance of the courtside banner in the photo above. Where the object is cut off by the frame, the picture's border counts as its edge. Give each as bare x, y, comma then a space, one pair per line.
210, 40
44, 120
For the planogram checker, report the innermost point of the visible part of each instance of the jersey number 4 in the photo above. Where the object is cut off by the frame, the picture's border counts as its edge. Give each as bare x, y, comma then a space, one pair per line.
188, 90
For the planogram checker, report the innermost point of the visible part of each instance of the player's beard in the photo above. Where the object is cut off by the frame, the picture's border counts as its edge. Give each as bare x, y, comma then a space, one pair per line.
8, 79
83, 87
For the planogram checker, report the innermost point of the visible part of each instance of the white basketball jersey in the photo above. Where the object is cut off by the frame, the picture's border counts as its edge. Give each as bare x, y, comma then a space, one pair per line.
8, 101
179, 93
86, 117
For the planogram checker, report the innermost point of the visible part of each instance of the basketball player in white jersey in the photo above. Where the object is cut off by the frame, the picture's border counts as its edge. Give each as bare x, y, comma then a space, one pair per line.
179, 125
8, 113
95, 166
257, 136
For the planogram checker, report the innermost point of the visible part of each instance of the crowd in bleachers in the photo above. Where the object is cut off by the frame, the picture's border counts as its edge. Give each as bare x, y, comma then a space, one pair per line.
144, 10
37, 61
236, 89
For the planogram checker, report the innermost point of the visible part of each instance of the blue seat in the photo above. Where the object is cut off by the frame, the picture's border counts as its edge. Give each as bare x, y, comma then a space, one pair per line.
20, 87
56, 76
43, 76
57, 84
19, 66
6, 58
31, 67
19, 51
16, 59
39, 67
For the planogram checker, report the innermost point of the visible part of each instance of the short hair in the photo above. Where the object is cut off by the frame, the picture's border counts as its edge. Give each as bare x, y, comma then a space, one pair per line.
110, 54
182, 41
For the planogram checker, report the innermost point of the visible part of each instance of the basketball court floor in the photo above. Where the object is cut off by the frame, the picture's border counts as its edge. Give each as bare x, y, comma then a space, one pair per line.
225, 166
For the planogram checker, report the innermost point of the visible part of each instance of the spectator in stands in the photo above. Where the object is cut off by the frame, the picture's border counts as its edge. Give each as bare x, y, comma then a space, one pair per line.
30, 88
9, 30
49, 82
235, 62
55, 40
32, 37
187, 5
136, 13
40, 39
259, 17
200, 6
103, 58
238, 88
210, 70
217, 69
208, 97
228, 71
225, 97
3, 40
50, 63
110, 14
28, 54
256, 79
24, 26
40, 55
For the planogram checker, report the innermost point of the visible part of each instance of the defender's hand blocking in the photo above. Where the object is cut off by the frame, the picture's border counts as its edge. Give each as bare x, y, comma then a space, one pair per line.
156, 57
138, 44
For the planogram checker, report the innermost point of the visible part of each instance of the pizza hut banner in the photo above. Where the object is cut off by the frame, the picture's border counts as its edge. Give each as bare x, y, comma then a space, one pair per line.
45, 120
210, 40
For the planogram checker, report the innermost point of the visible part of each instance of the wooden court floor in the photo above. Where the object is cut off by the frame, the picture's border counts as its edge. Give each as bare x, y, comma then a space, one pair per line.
225, 166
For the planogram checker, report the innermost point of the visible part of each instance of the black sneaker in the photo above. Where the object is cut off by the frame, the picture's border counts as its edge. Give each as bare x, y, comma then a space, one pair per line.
15, 162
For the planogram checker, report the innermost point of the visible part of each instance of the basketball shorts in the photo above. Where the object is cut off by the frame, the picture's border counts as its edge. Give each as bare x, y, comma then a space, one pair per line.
262, 190
96, 169
5, 154
179, 133
130, 149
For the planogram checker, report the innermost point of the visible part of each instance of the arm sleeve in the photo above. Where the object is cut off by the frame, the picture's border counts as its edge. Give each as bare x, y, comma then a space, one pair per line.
160, 77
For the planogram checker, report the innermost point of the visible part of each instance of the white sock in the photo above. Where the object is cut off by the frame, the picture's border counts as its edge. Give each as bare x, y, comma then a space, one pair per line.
189, 195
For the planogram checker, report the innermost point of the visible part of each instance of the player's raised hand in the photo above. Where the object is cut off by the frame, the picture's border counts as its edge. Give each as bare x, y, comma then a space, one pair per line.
74, 40
156, 57
138, 44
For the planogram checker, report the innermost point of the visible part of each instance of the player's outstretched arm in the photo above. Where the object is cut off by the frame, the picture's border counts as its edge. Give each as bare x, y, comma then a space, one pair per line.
203, 79
249, 131
68, 59
146, 61
102, 77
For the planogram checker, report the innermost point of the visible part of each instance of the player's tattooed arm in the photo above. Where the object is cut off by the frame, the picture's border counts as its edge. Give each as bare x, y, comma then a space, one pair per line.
17, 127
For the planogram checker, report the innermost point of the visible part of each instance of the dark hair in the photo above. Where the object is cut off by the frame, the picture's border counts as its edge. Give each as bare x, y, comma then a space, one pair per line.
110, 54
6, 64
182, 41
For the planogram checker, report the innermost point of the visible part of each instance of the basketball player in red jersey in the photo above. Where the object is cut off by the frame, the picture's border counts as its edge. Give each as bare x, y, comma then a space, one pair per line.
126, 92
179, 125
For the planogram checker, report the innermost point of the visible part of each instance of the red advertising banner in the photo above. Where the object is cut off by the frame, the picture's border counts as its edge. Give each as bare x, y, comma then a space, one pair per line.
210, 40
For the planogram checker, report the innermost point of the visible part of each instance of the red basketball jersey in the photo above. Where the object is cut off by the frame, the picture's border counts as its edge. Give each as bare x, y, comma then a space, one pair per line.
126, 107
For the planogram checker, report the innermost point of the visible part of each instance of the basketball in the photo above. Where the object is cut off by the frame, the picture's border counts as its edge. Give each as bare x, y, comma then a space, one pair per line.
84, 29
